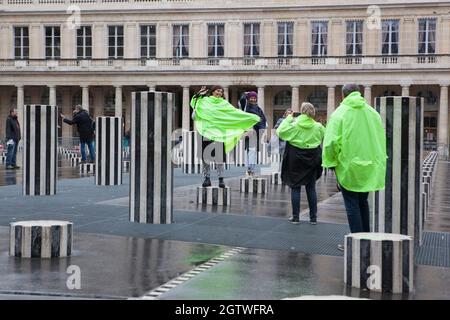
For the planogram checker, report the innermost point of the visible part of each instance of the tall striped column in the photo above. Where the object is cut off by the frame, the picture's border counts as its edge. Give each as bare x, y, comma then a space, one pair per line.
398, 208
108, 151
192, 150
40, 150
151, 173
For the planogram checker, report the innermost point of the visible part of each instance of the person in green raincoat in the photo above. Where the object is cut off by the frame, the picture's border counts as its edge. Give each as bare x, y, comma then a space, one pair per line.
221, 125
355, 148
302, 159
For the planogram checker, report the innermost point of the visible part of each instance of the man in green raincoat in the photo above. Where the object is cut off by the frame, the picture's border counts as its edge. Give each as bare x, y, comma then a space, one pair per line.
216, 120
355, 147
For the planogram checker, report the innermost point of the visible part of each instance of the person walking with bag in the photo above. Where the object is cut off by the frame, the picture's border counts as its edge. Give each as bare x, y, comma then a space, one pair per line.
302, 160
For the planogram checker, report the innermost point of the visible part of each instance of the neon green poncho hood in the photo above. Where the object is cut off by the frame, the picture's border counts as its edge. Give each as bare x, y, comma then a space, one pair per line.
217, 120
302, 132
355, 145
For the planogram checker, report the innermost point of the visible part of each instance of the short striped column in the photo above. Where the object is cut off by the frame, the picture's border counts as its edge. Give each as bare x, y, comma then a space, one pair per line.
87, 168
126, 166
151, 174
214, 196
425, 207
382, 262
40, 154
3, 158
40, 239
398, 208
192, 150
263, 154
108, 153
254, 185
240, 154
75, 161
276, 178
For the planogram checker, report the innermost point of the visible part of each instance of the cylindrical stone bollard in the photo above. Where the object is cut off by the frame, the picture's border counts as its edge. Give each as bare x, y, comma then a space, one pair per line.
40, 239
151, 173
108, 145
192, 150
40, 150
382, 262
214, 196
254, 185
398, 208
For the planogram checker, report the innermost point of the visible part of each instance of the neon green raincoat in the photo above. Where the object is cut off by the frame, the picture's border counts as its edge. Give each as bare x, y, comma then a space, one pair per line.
355, 145
302, 132
217, 120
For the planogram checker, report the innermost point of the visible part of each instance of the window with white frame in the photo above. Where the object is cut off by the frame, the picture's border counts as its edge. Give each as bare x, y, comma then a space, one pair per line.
251, 39
84, 42
354, 38
427, 36
21, 43
115, 42
390, 37
52, 42
180, 41
148, 41
216, 40
319, 37
285, 39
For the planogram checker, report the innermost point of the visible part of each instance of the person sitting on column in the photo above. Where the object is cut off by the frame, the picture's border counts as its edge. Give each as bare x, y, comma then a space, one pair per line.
249, 103
12, 139
216, 120
85, 129
355, 148
302, 160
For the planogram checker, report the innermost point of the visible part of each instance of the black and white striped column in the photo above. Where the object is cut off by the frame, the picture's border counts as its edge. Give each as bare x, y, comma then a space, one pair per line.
192, 150
254, 185
151, 174
382, 262
75, 161
214, 196
108, 153
126, 166
87, 168
398, 208
276, 178
40, 239
40, 150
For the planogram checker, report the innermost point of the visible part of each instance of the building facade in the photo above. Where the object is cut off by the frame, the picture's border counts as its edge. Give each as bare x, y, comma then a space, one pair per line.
96, 52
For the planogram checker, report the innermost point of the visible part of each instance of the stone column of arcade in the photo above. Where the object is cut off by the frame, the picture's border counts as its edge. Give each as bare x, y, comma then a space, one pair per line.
40, 139
108, 144
398, 208
151, 173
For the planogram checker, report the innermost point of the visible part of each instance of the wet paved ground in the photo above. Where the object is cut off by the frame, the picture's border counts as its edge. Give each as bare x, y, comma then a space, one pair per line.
119, 259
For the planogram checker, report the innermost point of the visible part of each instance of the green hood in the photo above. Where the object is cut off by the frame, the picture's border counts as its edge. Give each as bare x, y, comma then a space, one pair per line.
355, 145
354, 100
302, 132
305, 122
217, 120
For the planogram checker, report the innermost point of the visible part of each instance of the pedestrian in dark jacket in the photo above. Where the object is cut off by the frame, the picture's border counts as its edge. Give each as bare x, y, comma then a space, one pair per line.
12, 139
302, 160
249, 103
85, 128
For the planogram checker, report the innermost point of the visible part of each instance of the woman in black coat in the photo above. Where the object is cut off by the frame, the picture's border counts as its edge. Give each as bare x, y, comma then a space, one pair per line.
302, 160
